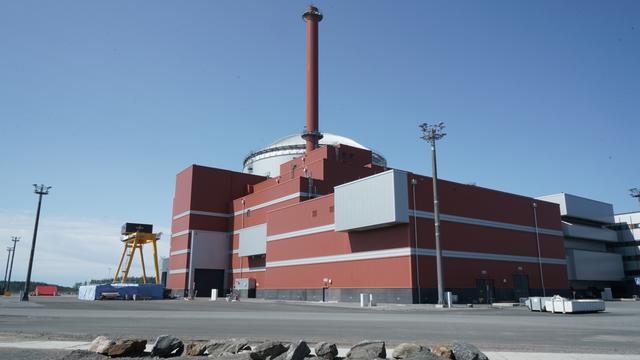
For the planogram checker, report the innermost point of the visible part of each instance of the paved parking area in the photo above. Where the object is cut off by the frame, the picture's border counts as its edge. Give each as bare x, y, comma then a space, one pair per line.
616, 331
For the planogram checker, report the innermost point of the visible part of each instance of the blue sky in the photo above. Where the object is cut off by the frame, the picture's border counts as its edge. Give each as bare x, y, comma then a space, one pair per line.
107, 101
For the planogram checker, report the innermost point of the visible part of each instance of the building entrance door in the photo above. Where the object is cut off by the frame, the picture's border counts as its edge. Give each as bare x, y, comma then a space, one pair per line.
484, 290
520, 286
207, 279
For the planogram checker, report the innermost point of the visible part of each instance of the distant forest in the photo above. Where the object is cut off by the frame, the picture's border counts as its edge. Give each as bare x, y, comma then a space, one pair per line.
18, 286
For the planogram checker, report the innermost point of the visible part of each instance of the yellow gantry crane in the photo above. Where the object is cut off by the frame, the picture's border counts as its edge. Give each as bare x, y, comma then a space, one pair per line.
134, 236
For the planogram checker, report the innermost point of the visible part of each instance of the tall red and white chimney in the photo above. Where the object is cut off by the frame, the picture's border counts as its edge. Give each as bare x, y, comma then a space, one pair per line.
312, 133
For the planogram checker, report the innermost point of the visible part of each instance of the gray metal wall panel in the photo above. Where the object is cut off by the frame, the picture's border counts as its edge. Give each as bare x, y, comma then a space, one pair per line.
600, 266
583, 208
588, 232
253, 240
211, 249
375, 201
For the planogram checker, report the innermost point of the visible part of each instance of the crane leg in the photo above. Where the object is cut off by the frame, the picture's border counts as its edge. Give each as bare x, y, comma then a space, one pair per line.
144, 271
126, 270
124, 251
155, 261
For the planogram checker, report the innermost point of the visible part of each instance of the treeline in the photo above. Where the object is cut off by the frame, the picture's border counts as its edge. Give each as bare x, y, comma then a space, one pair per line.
130, 280
17, 286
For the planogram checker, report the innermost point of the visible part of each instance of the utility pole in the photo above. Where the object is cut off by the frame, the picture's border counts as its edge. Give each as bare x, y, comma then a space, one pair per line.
40, 190
432, 133
15, 240
6, 269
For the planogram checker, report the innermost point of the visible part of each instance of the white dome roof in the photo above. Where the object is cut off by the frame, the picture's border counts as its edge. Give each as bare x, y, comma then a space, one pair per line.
267, 160
327, 139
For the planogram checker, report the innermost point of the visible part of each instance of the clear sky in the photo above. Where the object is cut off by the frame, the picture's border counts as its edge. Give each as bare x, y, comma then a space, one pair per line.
107, 101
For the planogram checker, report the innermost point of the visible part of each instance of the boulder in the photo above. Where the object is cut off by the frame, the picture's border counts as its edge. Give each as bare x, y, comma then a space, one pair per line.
367, 350
167, 346
444, 351
464, 351
101, 345
230, 346
269, 349
297, 351
196, 348
326, 351
407, 350
129, 347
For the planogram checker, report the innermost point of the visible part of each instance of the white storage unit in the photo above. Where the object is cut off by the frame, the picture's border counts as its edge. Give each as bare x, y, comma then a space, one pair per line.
372, 202
558, 304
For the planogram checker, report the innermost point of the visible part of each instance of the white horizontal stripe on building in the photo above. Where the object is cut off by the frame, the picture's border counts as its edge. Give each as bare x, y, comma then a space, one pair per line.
406, 251
488, 223
178, 252
178, 271
244, 270
274, 201
205, 213
180, 233
308, 231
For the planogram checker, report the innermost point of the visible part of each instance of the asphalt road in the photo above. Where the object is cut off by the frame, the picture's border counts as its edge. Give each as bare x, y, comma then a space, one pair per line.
615, 331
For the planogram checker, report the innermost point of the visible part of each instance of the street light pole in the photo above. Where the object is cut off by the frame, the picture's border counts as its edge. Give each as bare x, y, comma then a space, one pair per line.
6, 269
40, 190
15, 240
432, 133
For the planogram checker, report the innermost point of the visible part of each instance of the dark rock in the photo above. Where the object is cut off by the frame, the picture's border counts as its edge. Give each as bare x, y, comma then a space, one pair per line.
240, 356
130, 347
269, 349
231, 346
296, 351
464, 351
167, 346
407, 350
326, 351
444, 351
368, 350
101, 345
196, 348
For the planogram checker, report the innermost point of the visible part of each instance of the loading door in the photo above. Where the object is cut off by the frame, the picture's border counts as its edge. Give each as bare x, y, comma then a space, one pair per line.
484, 290
520, 286
207, 279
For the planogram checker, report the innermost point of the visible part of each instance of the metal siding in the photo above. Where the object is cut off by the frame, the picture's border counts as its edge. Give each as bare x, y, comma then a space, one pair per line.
374, 201
210, 249
599, 266
588, 232
583, 208
253, 240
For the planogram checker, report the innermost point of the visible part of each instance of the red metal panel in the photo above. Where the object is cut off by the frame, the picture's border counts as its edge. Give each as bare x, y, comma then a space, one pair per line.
381, 273
177, 281
179, 242
304, 215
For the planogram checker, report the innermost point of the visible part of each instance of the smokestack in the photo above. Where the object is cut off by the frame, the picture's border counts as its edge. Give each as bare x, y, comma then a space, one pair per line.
312, 134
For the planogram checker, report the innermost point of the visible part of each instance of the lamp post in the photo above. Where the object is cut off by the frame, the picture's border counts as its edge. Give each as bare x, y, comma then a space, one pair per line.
40, 190
6, 269
432, 133
15, 240
535, 223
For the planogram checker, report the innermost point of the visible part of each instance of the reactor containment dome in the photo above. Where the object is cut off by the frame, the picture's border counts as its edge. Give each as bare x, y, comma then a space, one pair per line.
267, 161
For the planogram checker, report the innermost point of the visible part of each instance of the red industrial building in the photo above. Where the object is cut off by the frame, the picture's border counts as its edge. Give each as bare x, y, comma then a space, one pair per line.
326, 219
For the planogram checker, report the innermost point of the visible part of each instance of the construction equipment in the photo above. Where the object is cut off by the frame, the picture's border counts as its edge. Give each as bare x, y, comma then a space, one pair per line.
134, 236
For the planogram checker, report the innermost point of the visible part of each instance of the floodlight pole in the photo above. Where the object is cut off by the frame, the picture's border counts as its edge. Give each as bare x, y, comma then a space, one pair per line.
6, 269
432, 133
15, 240
40, 190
